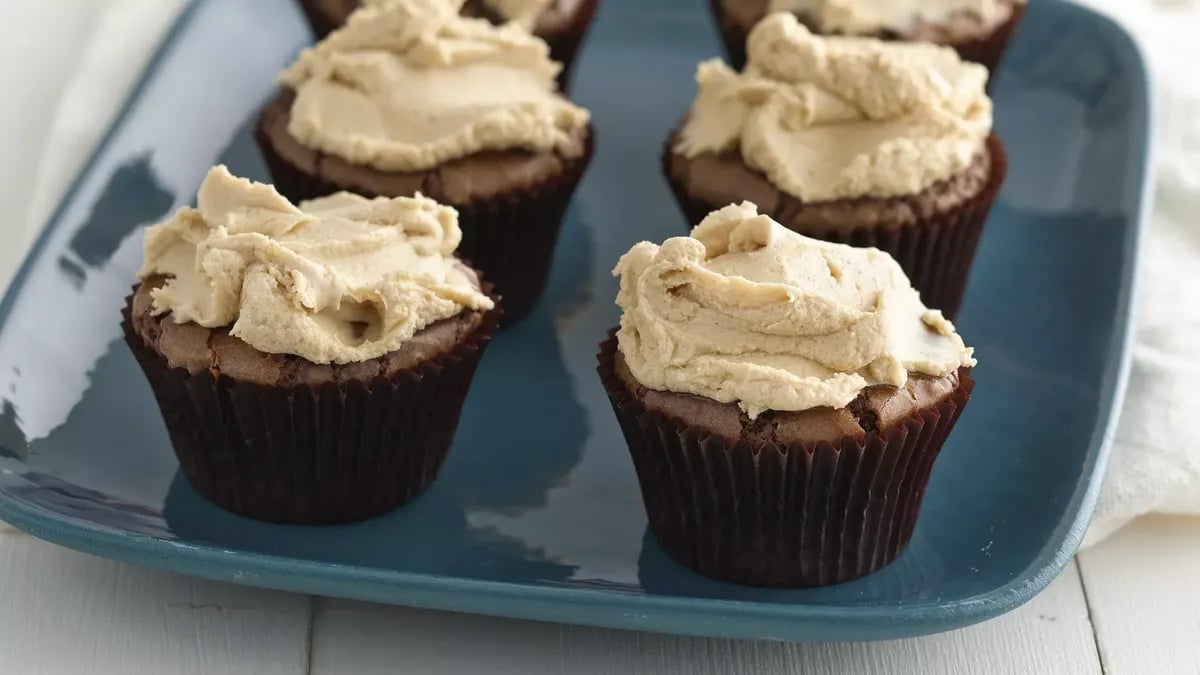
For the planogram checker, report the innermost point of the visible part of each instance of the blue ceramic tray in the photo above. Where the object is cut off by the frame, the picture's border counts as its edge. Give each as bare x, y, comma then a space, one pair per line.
537, 513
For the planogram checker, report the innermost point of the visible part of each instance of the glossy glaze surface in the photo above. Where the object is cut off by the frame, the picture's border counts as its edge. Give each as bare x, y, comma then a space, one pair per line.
537, 514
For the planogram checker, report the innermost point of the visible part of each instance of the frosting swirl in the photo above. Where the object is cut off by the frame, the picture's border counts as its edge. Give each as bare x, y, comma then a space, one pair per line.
407, 85
833, 118
750, 312
524, 13
339, 279
859, 17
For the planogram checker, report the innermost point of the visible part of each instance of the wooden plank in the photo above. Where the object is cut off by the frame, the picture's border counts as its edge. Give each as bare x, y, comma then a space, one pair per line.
1144, 591
66, 612
1050, 635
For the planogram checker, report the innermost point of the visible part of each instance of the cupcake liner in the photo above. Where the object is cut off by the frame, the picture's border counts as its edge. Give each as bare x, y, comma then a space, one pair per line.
732, 35
936, 253
321, 21
796, 515
299, 454
509, 238
564, 45
987, 50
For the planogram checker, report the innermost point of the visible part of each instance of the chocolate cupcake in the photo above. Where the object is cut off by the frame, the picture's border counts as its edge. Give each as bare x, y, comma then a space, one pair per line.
310, 361
783, 399
979, 30
851, 140
561, 23
409, 97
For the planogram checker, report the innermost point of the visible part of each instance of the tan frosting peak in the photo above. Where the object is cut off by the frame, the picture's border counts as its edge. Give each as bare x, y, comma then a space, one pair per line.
336, 280
406, 85
750, 312
858, 17
524, 13
832, 118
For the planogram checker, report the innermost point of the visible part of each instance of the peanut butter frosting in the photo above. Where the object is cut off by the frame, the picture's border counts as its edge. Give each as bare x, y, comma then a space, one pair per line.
406, 85
828, 118
745, 310
860, 17
340, 279
524, 13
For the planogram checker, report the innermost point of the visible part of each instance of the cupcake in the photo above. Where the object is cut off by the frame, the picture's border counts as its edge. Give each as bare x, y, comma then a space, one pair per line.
561, 23
851, 140
979, 30
310, 361
411, 97
783, 399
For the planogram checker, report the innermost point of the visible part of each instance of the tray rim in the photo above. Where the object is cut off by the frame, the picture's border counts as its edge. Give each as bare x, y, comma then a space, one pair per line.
589, 606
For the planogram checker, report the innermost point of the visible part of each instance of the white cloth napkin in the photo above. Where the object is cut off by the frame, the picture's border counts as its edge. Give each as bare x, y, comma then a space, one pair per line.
72, 64
89, 53
1155, 465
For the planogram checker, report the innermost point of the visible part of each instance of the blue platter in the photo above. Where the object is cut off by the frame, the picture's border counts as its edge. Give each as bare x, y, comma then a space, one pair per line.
537, 513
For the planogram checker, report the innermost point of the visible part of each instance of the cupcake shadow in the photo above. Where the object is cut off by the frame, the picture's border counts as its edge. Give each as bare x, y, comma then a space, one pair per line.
523, 431
429, 536
523, 428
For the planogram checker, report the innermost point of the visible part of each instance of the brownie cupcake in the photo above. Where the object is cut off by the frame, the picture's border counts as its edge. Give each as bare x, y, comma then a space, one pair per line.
561, 23
310, 361
783, 398
409, 97
979, 30
851, 140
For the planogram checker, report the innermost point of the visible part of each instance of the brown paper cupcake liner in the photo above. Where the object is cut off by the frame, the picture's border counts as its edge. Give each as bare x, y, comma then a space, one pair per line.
987, 50
797, 515
732, 35
935, 253
321, 22
301, 454
512, 238
509, 238
564, 45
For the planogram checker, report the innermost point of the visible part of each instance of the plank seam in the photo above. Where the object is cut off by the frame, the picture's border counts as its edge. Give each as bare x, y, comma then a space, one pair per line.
308, 637
1087, 604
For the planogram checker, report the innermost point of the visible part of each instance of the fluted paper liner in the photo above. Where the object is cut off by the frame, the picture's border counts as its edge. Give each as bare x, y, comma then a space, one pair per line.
732, 35
512, 239
301, 454
936, 253
320, 21
563, 47
509, 238
796, 515
987, 50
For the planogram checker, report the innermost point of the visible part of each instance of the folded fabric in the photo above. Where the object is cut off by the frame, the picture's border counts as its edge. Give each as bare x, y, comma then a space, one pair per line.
1155, 464
88, 55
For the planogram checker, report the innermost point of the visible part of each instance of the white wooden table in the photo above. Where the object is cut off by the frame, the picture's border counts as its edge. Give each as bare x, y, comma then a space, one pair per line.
1127, 606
